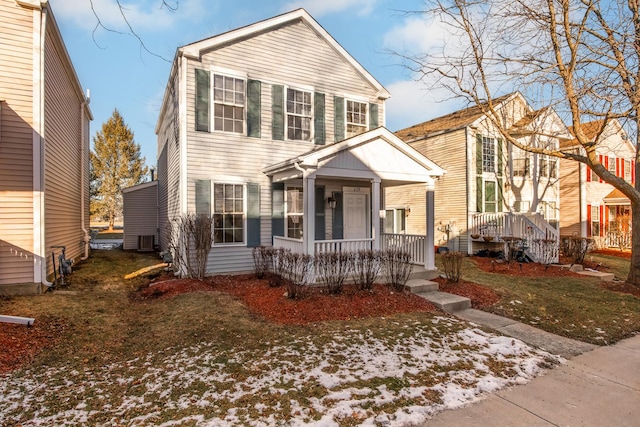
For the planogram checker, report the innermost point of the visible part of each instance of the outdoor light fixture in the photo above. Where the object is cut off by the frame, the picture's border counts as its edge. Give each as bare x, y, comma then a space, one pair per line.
331, 202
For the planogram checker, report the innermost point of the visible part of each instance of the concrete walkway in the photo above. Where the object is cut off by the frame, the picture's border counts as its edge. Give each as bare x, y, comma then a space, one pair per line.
597, 388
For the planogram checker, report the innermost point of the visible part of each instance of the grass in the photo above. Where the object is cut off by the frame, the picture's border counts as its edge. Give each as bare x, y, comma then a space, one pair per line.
575, 307
203, 358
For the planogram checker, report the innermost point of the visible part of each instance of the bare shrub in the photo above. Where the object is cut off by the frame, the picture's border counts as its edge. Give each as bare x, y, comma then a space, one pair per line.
275, 275
262, 261
547, 250
398, 267
296, 269
452, 265
333, 268
367, 267
575, 248
190, 241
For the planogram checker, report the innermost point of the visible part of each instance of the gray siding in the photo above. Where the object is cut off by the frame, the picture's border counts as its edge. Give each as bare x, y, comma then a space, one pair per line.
140, 214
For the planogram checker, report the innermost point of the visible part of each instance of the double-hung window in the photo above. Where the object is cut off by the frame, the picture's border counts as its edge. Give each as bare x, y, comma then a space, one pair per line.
356, 118
611, 165
488, 154
299, 114
294, 212
395, 221
595, 220
627, 170
228, 213
228, 103
521, 161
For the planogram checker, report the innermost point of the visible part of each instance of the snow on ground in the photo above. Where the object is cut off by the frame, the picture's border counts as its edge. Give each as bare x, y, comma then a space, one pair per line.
369, 380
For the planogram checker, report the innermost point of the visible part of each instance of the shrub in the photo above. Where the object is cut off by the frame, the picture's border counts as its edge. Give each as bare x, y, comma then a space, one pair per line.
452, 265
262, 261
296, 269
575, 248
367, 266
398, 268
333, 268
276, 268
190, 241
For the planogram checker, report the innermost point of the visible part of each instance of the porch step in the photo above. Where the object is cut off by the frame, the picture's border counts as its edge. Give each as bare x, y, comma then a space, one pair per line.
605, 277
418, 286
449, 303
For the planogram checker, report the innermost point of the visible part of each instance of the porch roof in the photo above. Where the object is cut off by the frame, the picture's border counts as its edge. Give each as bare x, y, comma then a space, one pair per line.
616, 197
377, 153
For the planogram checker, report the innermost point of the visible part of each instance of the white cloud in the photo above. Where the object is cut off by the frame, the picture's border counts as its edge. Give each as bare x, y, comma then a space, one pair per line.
414, 102
142, 15
417, 35
319, 8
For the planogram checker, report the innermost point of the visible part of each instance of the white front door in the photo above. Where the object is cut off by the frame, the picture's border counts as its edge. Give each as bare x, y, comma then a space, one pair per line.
355, 216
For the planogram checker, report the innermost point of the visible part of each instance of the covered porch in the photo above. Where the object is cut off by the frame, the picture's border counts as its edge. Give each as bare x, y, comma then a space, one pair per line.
331, 199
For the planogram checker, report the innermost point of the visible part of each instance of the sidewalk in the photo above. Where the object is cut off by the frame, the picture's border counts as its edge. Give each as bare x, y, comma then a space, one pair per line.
600, 387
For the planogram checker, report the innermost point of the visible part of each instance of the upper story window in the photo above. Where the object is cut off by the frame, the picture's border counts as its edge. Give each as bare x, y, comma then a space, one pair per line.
356, 118
488, 154
627, 170
548, 167
611, 166
299, 114
521, 163
229, 102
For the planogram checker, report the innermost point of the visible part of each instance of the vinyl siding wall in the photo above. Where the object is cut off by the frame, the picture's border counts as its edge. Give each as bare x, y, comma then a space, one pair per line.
16, 143
449, 152
66, 160
140, 214
291, 55
570, 197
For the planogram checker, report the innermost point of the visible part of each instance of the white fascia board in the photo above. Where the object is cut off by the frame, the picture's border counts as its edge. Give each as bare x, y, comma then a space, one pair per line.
194, 50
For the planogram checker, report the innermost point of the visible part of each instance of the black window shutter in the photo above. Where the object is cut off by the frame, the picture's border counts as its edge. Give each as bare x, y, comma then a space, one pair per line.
479, 196
373, 116
479, 154
320, 227
500, 196
203, 198
253, 215
277, 209
202, 100
338, 119
318, 120
338, 231
277, 111
499, 150
253, 108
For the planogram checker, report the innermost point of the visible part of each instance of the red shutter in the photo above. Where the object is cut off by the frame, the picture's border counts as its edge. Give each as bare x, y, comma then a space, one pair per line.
588, 220
618, 167
588, 173
601, 220
622, 168
602, 162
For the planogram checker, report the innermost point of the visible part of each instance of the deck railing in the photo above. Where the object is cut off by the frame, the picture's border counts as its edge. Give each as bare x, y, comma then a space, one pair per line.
412, 243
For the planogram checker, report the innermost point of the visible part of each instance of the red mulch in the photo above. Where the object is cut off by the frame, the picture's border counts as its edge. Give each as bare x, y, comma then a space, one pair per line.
272, 303
529, 269
613, 252
19, 344
480, 296
623, 287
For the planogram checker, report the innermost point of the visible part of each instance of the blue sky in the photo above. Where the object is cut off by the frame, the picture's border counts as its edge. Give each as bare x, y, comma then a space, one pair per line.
120, 74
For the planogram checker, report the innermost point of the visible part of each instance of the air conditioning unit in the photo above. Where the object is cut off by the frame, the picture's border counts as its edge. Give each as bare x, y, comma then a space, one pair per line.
146, 243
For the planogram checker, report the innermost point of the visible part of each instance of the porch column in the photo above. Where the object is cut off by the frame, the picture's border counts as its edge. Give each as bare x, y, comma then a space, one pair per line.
375, 215
429, 250
309, 209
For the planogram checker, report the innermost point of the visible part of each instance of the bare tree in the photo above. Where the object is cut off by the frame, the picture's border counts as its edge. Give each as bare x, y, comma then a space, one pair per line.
579, 57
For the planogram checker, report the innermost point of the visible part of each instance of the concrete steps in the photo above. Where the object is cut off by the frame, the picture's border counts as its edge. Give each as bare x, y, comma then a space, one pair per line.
428, 290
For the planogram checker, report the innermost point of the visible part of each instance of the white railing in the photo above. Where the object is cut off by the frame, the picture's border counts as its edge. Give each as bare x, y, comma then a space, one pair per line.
344, 245
412, 243
506, 224
294, 245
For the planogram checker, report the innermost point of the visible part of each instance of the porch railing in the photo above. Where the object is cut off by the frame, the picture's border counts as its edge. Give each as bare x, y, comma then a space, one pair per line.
294, 245
412, 243
344, 245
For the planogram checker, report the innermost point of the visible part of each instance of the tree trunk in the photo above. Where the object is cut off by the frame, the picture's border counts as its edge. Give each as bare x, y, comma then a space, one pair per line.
634, 268
111, 223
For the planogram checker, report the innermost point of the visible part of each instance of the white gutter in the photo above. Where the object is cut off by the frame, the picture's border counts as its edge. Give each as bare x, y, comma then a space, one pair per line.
86, 238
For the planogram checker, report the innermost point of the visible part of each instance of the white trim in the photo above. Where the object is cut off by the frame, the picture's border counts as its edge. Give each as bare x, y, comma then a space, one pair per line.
141, 186
212, 208
195, 50
39, 232
299, 88
212, 101
183, 114
227, 72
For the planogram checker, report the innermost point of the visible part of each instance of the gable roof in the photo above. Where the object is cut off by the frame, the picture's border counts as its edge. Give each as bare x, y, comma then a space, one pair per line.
196, 49
450, 122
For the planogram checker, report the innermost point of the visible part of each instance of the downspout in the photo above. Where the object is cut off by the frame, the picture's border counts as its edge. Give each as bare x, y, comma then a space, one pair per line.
86, 238
41, 129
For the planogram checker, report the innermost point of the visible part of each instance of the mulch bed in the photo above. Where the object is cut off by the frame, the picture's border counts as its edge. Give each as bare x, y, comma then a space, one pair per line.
272, 304
613, 252
514, 268
622, 287
480, 296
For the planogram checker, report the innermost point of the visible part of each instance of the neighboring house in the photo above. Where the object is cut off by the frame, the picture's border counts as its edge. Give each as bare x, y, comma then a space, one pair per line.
491, 189
140, 216
44, 148
589, 206
277, 132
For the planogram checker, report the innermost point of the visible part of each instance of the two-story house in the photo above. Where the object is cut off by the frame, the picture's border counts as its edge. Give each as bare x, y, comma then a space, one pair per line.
44, 148
491, 189
276, 132
589, 206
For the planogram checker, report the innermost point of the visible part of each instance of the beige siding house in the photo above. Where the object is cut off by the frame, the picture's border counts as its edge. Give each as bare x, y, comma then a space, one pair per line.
44, 148
278, 133
140, 216
490, 190
589, 206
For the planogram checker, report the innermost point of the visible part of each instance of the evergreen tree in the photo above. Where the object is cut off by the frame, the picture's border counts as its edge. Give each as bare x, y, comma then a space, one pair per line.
115, 164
